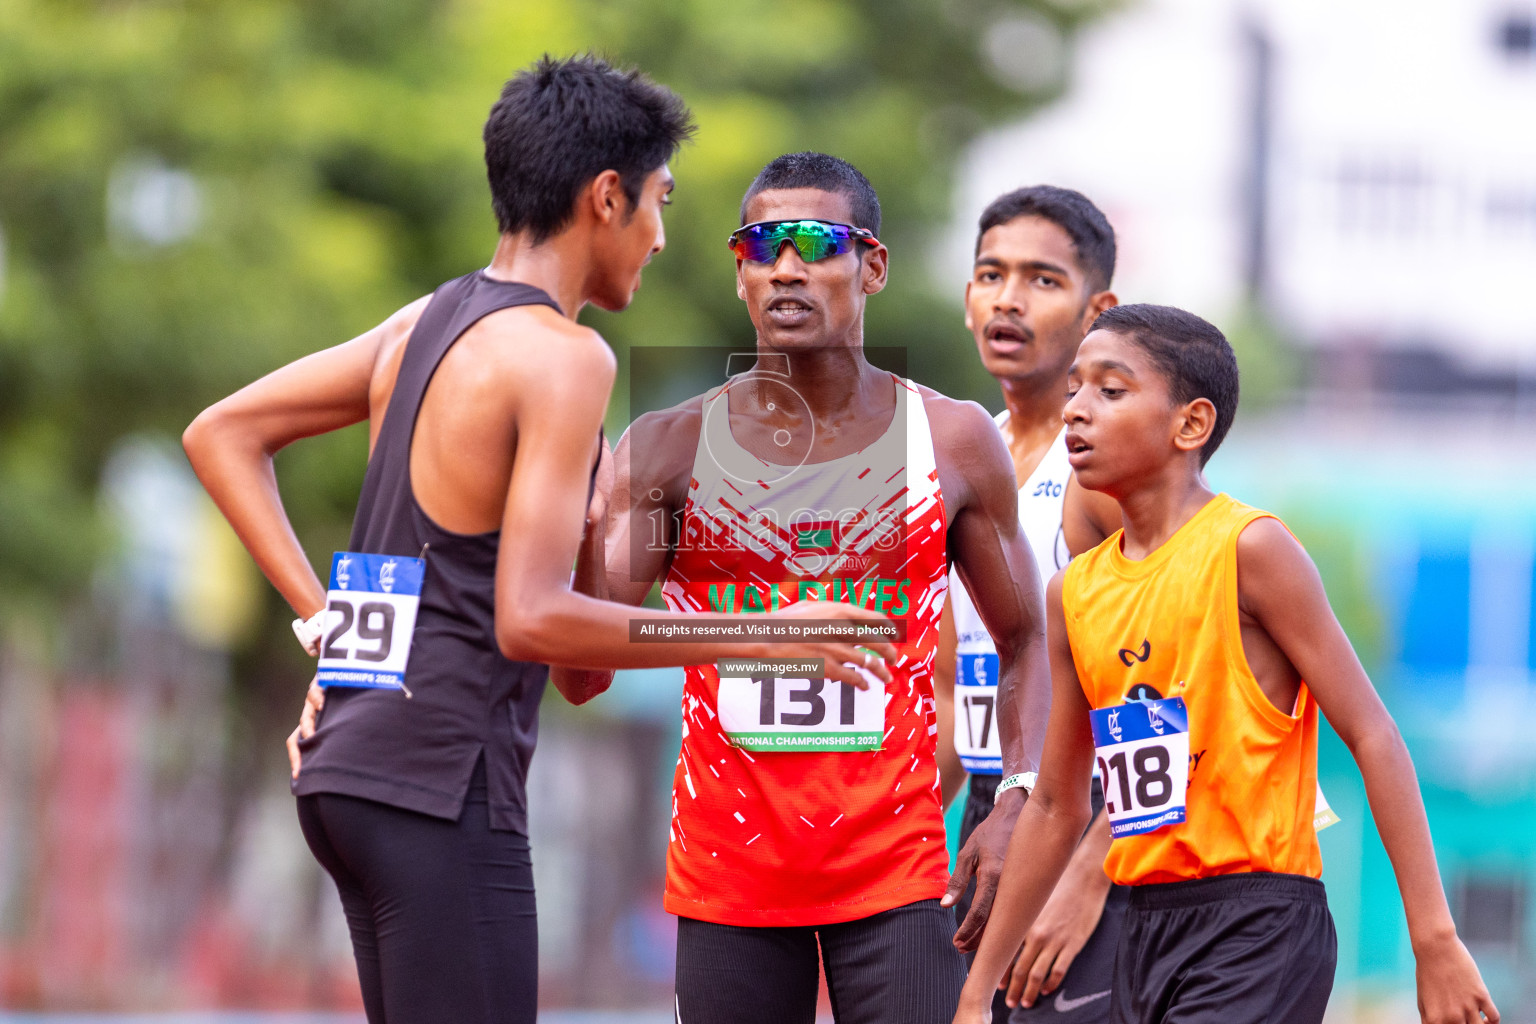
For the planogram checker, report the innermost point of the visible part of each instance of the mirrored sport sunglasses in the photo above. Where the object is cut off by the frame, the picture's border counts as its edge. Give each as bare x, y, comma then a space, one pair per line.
812, 239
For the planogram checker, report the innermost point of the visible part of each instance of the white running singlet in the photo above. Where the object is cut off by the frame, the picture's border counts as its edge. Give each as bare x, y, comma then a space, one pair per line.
1040, 504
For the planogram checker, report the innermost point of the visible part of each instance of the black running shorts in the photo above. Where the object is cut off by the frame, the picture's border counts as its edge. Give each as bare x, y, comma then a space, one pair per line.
896, 967
1235, 949
1083, 995
441, 912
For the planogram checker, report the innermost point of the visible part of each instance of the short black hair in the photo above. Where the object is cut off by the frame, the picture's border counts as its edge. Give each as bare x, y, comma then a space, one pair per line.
561, 123
828, 173
1071, 211
1193, 356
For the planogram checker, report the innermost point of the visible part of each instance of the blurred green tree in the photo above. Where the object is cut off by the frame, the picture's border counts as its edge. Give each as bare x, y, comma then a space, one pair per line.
194, 192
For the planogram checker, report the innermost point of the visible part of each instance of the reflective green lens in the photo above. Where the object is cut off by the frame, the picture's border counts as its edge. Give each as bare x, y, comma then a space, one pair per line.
812, 239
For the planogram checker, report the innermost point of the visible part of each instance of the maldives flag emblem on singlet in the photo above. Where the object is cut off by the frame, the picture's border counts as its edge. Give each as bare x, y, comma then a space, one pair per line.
820, 537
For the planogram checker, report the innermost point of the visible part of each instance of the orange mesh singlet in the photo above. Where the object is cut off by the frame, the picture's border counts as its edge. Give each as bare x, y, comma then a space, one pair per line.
789, 838
1167, 626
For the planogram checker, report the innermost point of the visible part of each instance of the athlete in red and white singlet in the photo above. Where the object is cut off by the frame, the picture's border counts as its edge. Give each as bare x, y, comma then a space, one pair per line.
806, 838
809, 837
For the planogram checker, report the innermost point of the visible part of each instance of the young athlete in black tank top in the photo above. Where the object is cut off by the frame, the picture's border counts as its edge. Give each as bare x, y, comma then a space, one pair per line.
416, 805
467, 697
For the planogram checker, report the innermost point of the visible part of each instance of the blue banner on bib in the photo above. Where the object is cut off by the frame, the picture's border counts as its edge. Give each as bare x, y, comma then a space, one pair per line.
1139, 720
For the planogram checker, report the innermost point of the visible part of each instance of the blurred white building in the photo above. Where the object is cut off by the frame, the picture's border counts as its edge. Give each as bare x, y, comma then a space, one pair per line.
1366, 169
1362, 173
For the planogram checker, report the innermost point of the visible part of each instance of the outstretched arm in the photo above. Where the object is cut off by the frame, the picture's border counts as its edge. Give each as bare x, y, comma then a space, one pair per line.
562, 393
647, 486
1279, 587
1048, 829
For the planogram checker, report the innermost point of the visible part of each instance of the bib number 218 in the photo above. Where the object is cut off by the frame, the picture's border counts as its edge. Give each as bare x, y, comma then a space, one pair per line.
1143, 755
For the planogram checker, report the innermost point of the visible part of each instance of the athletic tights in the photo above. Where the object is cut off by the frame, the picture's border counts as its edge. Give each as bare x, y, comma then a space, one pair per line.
441, 912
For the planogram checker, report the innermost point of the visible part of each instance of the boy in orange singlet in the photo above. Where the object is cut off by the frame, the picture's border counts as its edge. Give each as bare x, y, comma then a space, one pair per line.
1191, 652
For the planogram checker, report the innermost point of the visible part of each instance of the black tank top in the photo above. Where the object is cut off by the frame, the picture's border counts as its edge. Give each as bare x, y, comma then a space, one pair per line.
418, 752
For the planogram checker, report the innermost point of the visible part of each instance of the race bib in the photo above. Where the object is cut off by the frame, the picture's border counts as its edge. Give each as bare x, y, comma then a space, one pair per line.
762, 710
370, 619
1142, 749
976, 739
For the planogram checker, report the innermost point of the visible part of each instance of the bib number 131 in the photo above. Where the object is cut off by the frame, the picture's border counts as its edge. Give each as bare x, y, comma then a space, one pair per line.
1143, 754
370, 619
762, 712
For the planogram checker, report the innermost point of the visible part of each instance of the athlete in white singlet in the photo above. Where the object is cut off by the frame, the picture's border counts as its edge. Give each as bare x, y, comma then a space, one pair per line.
975, 681
1044, 260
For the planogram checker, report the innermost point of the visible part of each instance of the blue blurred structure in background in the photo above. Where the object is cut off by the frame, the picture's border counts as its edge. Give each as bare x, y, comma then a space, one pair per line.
1424, 525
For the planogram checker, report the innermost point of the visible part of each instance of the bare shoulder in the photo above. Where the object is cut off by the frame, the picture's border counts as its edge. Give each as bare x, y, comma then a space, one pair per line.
1271, 564
536, 347
963, 431
402, 321
659, 447
956, 421
972, 458
389, 339
398, 326
677, 425
1266, 540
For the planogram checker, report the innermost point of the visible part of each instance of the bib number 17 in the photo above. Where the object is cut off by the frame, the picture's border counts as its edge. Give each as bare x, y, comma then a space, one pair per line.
976, 732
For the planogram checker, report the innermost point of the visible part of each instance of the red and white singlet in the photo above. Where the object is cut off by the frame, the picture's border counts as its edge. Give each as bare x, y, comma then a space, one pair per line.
772, 837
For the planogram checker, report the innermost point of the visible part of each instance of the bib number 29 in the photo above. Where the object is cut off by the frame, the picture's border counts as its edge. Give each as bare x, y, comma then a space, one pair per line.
371, 622
370, 618
1143, 755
